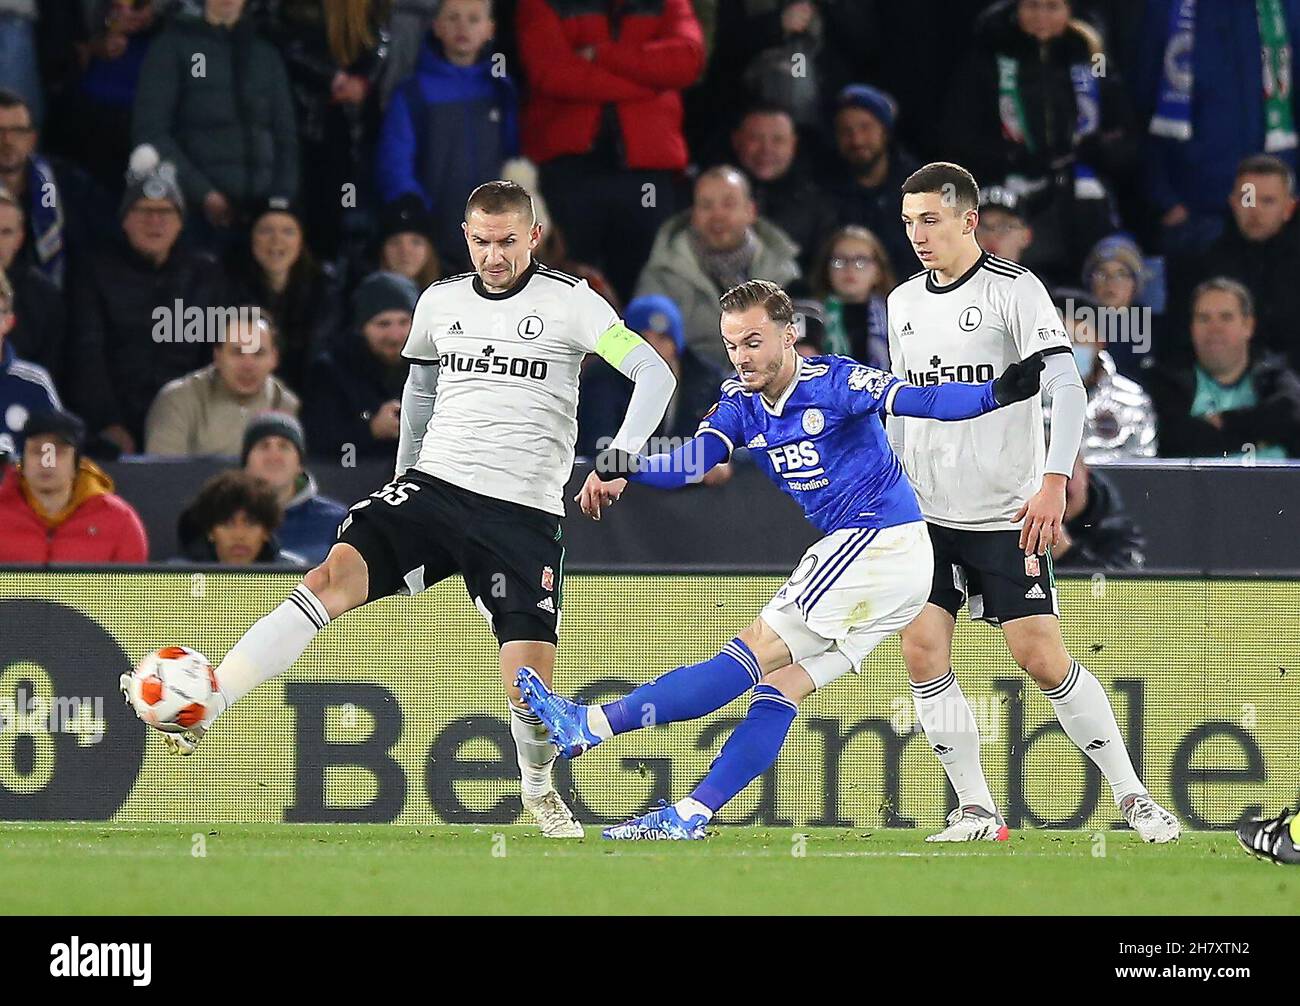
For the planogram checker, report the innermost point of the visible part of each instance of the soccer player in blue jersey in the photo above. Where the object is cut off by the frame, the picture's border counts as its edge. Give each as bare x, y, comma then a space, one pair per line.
814, 425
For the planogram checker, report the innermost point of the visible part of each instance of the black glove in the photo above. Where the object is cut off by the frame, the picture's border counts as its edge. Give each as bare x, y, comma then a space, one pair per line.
1019, 381
614, 464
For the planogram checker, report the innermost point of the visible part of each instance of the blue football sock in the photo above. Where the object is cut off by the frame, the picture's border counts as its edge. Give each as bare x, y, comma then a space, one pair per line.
750, 749
687, 692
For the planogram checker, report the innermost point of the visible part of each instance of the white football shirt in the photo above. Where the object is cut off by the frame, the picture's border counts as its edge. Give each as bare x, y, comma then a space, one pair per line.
975, 474
505, 417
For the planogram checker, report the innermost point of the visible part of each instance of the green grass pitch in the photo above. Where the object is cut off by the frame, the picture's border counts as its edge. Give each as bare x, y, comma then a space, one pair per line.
87, 868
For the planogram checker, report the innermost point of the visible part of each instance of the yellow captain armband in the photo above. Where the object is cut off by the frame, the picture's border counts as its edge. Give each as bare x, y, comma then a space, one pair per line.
616, 342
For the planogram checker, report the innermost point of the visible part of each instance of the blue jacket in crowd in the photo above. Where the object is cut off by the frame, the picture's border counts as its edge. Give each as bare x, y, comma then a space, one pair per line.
447, 129
24, 388
1227, 102
311, 522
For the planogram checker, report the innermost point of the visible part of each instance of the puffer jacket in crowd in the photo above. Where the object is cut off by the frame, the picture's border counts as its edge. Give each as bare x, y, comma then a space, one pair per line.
1120, 421
231, 129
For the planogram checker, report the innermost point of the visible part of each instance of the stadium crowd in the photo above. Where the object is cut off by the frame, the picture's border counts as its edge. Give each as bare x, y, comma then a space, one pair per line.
165, 163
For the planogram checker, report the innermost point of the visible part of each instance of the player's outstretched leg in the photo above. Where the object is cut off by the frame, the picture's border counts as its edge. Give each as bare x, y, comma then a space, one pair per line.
685, 693
750, 750
1087, 718
950, 728
1276, 839
276, 640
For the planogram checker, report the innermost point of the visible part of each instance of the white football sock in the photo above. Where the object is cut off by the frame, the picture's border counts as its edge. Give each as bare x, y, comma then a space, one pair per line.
269, 648
950, 728
1085, 713
690, 807
533, 751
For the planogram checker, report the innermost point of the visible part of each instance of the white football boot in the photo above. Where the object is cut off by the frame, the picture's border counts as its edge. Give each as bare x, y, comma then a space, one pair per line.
1149, 819
179, 742
553, 816
972, 824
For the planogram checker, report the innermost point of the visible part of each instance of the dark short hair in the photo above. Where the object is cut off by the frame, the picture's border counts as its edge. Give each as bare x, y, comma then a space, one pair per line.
763, 108
225, 495
759, 293
501, 197
947, 179
1226, 284
1267, 164
10, 98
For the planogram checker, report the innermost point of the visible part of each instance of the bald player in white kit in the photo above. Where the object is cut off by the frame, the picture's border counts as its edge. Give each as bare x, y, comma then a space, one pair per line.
993, 495
488, 426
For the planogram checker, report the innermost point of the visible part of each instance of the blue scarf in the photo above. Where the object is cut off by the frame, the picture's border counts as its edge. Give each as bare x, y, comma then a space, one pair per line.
1173, 116
45, 211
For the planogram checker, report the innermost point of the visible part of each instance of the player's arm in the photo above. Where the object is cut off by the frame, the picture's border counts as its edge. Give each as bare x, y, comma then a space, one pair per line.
683, 466
421, 385
898, 366
417, 409
653, 385
956, 401
1034, 324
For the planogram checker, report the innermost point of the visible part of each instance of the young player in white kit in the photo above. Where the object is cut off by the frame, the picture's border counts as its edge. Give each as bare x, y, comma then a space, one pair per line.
993, 497
488, 426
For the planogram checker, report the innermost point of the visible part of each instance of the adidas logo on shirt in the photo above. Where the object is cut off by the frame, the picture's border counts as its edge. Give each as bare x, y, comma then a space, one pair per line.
907, 328
455, 329
1035, 593
758, 441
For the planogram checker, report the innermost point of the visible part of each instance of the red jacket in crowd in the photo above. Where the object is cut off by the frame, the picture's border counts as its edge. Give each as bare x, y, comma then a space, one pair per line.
658, 51
95, 526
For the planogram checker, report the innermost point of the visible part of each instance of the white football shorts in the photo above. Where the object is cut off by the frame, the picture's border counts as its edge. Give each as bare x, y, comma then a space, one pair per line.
851, 590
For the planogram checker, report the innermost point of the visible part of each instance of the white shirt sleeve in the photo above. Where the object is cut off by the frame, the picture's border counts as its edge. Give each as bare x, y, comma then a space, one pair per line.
1031, 317
898, 366
590, 317
419, 346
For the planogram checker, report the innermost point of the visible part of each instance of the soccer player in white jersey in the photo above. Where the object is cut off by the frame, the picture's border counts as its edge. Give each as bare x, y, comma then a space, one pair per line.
993, 498
488, 426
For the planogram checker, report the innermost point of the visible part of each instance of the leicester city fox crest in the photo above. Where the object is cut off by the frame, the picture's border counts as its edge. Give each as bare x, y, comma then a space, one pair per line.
868, 379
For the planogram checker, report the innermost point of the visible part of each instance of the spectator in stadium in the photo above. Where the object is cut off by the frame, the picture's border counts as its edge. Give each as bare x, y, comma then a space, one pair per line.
233, 521
25, 388
1038, 106
406, 241
354, 390
871, 170
450, 126
274, 451
766, 145
96, 113
1002, 229
794, 53
40, 316
58, 506
606, 393
278, 273
702, 252
553, 249
604, 120
1260, 248
207, 411
127, 337
62, 207
1235, 399
1119, 421
852, 278
334, 53
1205, 83
19, 70
1097, 532
1115, 275
408, 26
229, 130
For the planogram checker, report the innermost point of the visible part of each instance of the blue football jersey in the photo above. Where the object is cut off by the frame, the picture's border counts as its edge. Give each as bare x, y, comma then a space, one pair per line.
823, 442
